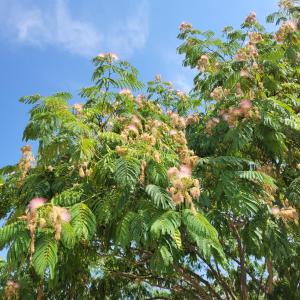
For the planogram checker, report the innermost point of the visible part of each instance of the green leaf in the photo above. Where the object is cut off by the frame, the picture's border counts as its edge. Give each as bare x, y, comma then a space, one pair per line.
160, 196
67, 198
45, 256
127, 171
167, 222
83, 221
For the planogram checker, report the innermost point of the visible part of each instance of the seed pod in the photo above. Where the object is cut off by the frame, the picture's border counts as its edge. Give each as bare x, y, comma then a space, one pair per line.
81, 172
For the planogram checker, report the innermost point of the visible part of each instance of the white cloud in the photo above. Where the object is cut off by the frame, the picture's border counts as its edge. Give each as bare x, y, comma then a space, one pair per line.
30, 24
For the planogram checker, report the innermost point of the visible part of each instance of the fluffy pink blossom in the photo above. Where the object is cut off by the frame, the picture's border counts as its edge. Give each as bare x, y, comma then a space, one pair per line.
126, 92
177, 198
275, 210
184, 171
225, 117
111, 56
173, 132
36, 203
61, 214
172, 172
287, 4
65, 215
255, 37
195, 192
78, 107
185, 26
251, 18
181, 94
203, 62
133, 128
215, 120
245, 104
244, 73
237, 111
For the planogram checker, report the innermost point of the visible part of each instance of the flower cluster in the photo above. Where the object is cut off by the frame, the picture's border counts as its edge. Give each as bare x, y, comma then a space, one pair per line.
247, 53
55, 216
219, 93
59, 215
286, 213
12, 290
26, 163
111, 57
184, 188
243, 111
251, 18
192, 119
211, 124
78, 108
286, 28
185, 26
176, 120
126, 92
203, 63
255, 37
287, 4
152, 134
181, 95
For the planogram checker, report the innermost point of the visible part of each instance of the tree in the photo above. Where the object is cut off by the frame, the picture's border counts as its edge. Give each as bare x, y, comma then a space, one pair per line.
164, 195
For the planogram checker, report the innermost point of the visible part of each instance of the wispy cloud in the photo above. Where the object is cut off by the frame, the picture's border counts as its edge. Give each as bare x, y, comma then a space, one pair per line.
132, 34
30, 24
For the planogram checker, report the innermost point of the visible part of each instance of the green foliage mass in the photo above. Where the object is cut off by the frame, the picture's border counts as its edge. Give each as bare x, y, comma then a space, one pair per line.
164, 195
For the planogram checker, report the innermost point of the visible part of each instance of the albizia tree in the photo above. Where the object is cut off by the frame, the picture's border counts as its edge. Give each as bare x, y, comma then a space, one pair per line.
164, 195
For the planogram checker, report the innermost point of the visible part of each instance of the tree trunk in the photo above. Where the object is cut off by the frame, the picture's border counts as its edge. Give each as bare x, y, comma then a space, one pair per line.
270, 276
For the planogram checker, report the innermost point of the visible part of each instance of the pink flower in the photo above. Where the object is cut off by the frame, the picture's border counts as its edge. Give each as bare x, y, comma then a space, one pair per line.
245, 104
111, 56
222, 112
215, 120
65, 215
289, 26
237, 111
133, 128
126, 92
203, 62
36, 203
184, 171
275, 210
195, 192
172, 172
185, 26
251, 18
61, 214
78, 107
255, 37
244, 73
287, 4
225, 117
217, 93
181, 94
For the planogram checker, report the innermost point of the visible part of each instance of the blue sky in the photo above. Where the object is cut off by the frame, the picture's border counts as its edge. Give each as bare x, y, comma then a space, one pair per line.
46, 45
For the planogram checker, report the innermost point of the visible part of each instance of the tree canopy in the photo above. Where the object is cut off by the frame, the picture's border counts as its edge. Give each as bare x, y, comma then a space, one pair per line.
145, 192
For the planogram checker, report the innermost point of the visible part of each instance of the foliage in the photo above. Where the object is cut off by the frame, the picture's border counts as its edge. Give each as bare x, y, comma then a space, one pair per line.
164, 195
